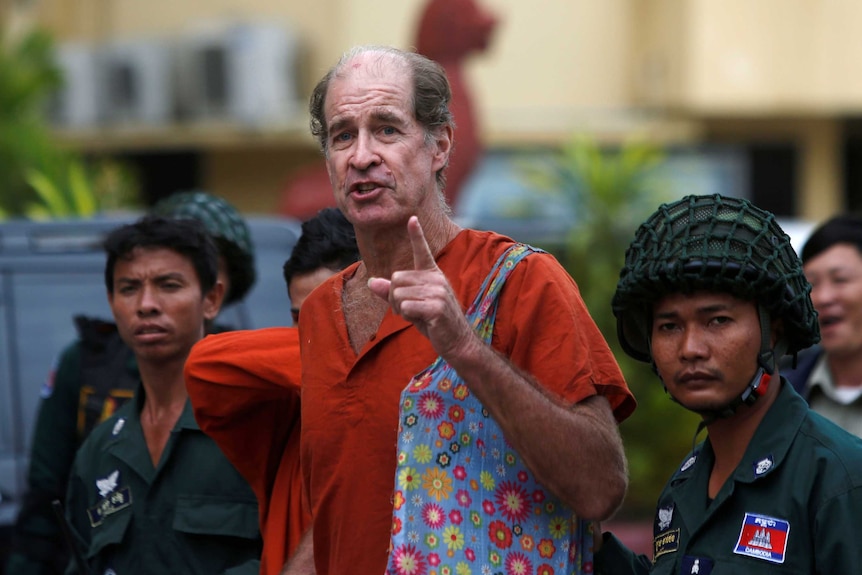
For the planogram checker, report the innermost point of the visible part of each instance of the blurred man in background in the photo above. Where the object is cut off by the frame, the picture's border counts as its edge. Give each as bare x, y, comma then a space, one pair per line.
830, 375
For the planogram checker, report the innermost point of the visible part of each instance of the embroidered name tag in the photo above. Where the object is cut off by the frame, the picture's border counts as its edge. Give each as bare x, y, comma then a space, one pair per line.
665, 543
114, 502
763, 537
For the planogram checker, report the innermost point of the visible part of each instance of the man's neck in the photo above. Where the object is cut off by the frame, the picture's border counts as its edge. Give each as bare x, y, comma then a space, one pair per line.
164, 402
388, 250
164, 386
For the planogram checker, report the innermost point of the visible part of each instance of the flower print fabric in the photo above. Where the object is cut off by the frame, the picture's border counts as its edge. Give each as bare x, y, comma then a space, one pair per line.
464, 502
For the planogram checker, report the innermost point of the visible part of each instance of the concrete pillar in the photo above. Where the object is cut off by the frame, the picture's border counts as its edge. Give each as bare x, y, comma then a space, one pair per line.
821, 182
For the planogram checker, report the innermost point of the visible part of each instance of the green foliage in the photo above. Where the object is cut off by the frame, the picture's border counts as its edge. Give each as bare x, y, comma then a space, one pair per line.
27, 77
84, 193
38, 178
612, 192
27, 74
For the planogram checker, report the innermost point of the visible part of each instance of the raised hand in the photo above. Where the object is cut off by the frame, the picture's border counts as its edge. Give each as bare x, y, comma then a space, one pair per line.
424, 297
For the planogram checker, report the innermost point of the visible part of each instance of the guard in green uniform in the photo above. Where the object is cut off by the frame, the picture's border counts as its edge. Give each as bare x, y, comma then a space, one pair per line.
94, 376
149, 491
712, 294
195, 509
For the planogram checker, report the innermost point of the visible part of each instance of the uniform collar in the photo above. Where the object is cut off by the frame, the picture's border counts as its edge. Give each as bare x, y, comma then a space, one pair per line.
126, 441
185, 421
774, 435
765, 453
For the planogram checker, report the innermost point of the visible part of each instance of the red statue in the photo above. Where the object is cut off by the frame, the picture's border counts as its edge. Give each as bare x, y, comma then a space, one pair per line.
448, 32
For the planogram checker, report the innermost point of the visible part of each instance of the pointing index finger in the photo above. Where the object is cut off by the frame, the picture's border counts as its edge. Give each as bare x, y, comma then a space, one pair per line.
423, 259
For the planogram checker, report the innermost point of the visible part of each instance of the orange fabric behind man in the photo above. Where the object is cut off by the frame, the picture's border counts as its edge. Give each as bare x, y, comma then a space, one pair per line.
245, 390
244, 387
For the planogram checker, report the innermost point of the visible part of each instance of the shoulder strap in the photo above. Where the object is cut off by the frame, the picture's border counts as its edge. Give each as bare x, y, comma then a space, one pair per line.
105, 372
484, 306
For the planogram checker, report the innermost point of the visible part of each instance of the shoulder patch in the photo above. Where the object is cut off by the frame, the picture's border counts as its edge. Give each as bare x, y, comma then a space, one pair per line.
47, 389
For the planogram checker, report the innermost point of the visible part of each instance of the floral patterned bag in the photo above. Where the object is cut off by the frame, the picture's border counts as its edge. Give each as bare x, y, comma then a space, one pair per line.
464, 501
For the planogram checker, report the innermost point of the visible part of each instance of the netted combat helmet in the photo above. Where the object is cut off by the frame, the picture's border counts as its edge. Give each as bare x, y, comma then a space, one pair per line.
227, 227
720, 244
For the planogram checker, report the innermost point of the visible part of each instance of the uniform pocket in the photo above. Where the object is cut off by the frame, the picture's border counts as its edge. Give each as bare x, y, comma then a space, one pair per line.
211, 515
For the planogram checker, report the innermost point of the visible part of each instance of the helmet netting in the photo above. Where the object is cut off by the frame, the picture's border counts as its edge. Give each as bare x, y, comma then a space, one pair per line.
227, 227
714, 243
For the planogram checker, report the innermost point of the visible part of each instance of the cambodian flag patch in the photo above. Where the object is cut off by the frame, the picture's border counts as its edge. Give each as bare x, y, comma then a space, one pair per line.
763, 537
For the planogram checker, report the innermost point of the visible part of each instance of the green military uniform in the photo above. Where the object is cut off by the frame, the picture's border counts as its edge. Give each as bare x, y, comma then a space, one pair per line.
791, 506
92, 378
193, 514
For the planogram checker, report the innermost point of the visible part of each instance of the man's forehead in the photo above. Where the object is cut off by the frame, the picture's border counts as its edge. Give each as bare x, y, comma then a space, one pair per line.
386, 113
372, 64
149, 256
386, 100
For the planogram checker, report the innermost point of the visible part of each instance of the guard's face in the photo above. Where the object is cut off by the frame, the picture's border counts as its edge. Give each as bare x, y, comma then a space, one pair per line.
380, 163
836, 281
302, 285
705, 347
157, 304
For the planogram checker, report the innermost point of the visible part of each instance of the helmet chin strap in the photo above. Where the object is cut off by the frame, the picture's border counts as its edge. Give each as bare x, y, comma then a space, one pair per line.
767, 361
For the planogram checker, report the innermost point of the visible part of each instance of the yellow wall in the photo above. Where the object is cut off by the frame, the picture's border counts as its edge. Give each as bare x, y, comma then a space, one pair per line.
770, 57
549, 65
559, 66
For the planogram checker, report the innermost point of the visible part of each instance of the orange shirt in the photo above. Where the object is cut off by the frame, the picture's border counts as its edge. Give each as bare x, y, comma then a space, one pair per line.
244, 387
350, 402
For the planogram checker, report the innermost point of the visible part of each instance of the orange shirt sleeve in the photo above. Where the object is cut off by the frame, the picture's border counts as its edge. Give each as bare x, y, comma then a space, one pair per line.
545, 329
245, 391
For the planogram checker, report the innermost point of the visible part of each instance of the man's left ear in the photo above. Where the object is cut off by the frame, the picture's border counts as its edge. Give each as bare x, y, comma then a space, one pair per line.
213, 300
443, 139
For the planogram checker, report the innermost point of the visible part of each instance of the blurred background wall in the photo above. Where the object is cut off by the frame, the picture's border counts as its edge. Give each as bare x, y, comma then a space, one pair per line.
772, 80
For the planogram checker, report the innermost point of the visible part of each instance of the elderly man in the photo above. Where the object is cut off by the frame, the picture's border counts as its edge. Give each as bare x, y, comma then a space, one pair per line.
459, 411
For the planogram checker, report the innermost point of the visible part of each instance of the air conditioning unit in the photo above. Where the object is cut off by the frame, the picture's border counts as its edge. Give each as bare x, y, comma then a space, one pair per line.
76, 104
239, 72
137, 82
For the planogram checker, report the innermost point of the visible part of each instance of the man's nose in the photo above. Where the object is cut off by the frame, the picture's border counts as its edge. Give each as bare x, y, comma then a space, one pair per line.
693, 345
148, 302
822, 293
365, 153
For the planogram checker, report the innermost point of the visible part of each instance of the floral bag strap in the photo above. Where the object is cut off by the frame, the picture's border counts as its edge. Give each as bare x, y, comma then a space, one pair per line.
482, 312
